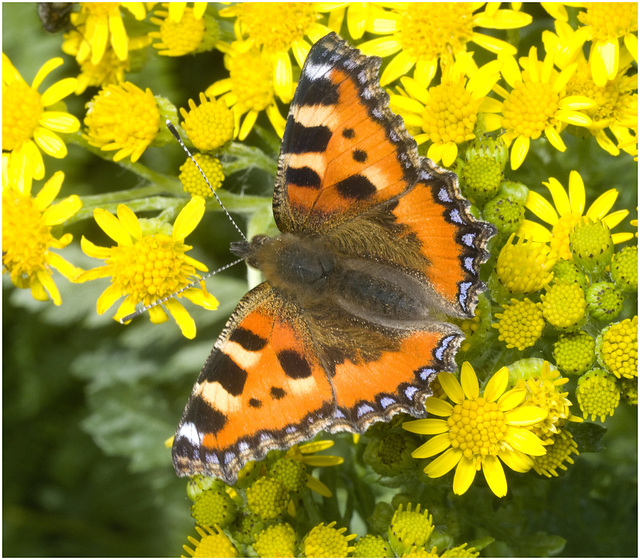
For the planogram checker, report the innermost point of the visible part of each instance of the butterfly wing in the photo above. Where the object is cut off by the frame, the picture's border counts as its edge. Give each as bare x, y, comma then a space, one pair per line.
261, 388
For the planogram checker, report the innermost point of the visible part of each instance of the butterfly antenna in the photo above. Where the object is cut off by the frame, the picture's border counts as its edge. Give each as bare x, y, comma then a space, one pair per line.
146, 308
177, 137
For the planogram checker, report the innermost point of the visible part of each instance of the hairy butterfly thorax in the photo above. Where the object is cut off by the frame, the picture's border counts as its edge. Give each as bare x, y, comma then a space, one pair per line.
350, 326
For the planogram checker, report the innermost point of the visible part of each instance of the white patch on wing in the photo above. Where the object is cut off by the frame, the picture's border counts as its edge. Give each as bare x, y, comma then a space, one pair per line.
313, 160
314, 71
189, 431
244, 358
219, 398
316, 115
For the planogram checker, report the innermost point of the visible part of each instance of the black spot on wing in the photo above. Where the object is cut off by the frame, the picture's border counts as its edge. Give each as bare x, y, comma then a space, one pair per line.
278, 393
300, 139
348, 133
255, 403
201, 414
303, 177
294, 365
248, 340
356, 187
320, 91
360, 156
221, 368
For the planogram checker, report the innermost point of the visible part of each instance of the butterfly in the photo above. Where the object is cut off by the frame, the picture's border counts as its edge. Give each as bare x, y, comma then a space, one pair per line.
377, 249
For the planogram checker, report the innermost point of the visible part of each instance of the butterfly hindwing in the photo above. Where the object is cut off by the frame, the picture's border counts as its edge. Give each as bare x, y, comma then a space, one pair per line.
261, 388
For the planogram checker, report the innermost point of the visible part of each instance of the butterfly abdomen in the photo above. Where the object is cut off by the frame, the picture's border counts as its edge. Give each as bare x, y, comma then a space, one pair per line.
311, 273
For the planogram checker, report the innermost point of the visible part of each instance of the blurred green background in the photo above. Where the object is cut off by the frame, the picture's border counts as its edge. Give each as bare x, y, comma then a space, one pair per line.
88, 404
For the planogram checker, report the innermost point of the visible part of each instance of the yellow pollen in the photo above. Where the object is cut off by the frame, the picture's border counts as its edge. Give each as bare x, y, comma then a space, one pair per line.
561, 230
25, 237
432, 29
251, 79
450, 114
610, 20
21, 110
476, 428
150, 269
530, 109
274, 26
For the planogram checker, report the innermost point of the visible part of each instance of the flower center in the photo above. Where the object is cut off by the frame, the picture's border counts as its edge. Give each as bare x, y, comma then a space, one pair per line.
530, 109
450, 114
182, 37
610, 20
150, 269
477, 428
23, 254
251, 79
275, 25
560, 238
21, 110
606, 98
433, 29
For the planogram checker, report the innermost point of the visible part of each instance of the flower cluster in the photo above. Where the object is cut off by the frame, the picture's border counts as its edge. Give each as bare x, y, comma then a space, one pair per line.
503, 95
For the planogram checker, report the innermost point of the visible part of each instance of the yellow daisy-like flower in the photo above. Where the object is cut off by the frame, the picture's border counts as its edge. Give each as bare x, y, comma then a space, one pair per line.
445, 115
27, 239
615, 102
27, 124
325, 541
149, 263
213, 543
606, 23
537, 103
208, 125
109, 69
122, 117
102, 24
421, 33
276, 28
569, 208
478, 432
248, 90
525, 266
192, 180
189, 34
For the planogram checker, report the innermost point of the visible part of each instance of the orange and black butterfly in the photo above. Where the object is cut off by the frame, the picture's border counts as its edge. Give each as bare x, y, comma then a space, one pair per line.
377, 248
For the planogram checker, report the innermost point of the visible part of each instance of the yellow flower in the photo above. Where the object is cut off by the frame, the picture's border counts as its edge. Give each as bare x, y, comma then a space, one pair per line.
521, 324
479, 431
189, 34
192, 180
149, 263
213, 543
446, 114
102, 24
606, 23
567, 213
615, 102
208, 125
525, 266
122, 117
248, 90
276, 28
27, 239
558, 453
27, 124
178, 9
421, 33
325, 541
537, 103
109, 69
360, 16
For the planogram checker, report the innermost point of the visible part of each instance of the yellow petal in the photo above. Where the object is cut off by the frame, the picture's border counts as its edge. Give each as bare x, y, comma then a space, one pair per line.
613, 219
188, 219
428, 426
443, 464
449, 153
382, 47
50, 142
621, 237
554, 139
464, 476
129, 221
541, 207
492, 44
112, 227
602, 204
525, 441
469, 381
399, 66
283, 77
181, 315
59, 121
247, 125
300, 49
425, 70
98, 39
525, 416
94, 251
43, 277
435, 445
108, 298
497, 384
44, 71
357, 19
451, 386
119, 39
438, 407
494, 475
318, 487
577, 193
631, 42
59, 91
516, 460
535, 231
511, 399
64, 267
519, 151
435, 152
573, 117
62, 211
49, 191
157, 315
559, 195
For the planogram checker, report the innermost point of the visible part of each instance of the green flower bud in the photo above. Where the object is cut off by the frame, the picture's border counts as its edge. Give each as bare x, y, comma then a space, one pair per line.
604, 301
591, 246
325, 541
624, 269
276, 541
517, 192
574, 352
214, 507
409, 528
290, 473
597, 394
372, 546
629, 391
504, 213
569, 272
267, 498
564, 306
